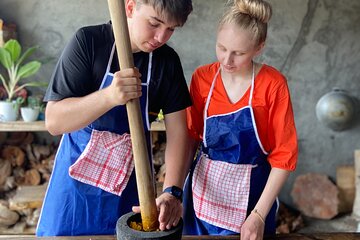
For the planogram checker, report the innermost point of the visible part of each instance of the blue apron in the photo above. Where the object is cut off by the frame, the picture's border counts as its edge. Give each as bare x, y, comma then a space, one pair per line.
73, 208
229, 140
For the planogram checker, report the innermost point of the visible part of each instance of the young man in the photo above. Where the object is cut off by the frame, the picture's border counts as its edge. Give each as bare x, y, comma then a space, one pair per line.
86, 103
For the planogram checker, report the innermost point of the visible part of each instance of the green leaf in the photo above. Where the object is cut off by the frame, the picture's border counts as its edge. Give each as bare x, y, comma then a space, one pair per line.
27, 53
36, 84
14, 48
29, 69
5, 58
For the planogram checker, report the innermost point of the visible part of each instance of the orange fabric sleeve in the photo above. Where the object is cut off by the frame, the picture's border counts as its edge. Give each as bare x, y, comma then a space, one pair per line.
282, 138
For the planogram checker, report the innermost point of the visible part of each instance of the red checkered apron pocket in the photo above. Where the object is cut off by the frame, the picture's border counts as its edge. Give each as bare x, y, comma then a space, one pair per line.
221, 192
107, 162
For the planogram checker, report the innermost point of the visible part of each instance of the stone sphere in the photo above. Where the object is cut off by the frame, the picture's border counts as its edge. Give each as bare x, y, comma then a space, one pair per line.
336, 110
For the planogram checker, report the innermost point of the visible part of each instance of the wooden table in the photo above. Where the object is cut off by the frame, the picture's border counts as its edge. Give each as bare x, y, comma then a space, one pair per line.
293, 236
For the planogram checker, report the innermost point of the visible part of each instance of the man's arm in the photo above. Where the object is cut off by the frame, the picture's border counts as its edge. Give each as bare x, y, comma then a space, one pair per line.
176, 151
177, 166
71, 114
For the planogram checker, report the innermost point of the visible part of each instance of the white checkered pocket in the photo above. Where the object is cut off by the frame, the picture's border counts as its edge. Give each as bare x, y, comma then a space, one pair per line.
107, 162
221, 192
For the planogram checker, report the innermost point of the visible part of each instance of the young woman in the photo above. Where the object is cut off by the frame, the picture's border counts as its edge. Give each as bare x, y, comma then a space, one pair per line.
243, 120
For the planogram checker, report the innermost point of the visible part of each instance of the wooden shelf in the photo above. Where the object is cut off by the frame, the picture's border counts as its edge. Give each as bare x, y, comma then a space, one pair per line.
157, 126
39, 126
21, 126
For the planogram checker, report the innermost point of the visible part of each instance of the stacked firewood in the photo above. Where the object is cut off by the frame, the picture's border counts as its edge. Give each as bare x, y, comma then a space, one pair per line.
158, 151
23, 164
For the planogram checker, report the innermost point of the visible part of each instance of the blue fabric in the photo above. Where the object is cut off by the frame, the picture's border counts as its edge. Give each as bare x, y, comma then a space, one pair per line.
230, 138
73, 208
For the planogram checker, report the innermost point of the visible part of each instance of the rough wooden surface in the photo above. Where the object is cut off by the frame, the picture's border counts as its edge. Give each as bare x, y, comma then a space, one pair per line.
28, 197
296, 236
39, 126
22, 126
356, 206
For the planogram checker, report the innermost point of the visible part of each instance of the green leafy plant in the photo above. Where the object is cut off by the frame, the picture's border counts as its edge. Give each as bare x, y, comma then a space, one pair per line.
12, 60
31, 102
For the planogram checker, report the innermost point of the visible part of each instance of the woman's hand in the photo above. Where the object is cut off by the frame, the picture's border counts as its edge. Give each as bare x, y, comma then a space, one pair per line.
170, 211
253, 228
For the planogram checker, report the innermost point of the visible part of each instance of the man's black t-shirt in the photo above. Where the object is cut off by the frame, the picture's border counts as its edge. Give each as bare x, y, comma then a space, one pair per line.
82, 65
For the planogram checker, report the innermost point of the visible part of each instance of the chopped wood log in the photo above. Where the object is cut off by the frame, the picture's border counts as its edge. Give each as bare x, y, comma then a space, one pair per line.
30, 155
19, 175
316, 196
5, 171
14, 154
20, 138
33, 218
159, 153
19, 227
345, 181
9, 184
41, 151
7, 216
32, 177
356, 207
3, 136
28, 197
160, 176
289, 220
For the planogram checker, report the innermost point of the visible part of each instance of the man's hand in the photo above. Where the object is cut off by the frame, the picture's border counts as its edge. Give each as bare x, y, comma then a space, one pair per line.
170, 211
126, 85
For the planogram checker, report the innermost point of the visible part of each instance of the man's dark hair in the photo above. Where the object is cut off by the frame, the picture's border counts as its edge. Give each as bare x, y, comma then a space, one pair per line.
173, 10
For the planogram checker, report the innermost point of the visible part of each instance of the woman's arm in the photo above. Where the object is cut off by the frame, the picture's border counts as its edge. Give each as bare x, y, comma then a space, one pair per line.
253, 228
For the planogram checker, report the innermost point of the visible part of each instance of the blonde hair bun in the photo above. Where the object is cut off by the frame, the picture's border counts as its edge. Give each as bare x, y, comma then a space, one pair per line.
259, 9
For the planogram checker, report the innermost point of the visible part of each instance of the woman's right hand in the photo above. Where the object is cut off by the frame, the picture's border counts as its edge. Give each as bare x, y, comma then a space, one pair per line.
253, 228
126, 85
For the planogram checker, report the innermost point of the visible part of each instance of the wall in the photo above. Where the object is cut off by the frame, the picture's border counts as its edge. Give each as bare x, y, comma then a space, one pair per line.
315, 43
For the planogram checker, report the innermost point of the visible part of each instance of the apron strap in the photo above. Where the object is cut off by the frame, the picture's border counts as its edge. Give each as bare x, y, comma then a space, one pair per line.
210, 94
148, 79
252, 84
207, 105
147, 91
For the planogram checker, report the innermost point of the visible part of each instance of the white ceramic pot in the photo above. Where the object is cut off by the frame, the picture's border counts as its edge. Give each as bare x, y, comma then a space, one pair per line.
29, 114
8, 111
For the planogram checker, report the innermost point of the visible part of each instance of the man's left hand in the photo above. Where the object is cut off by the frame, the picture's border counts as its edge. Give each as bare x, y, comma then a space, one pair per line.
170, 211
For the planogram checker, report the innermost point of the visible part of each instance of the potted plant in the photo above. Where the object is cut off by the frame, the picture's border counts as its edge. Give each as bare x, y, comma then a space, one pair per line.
12, 60
30, 107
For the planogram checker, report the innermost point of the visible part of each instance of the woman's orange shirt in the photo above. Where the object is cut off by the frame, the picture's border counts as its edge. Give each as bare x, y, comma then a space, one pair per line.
271, 104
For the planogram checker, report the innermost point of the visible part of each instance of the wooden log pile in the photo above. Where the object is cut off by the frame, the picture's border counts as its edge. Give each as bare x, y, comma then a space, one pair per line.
25, 169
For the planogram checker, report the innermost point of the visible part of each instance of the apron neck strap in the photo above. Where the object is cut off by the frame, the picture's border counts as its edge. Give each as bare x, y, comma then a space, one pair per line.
252, 84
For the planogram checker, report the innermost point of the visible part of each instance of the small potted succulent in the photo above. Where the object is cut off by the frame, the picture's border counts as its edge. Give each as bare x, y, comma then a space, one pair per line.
30, 107
12, 59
